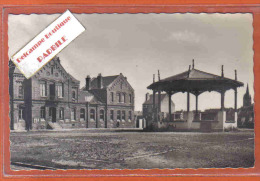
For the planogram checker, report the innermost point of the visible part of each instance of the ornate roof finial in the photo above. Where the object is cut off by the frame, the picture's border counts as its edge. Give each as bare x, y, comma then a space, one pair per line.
235, 74
192, 63
222, 70
247, 89
159, 75
153, 77
189, 72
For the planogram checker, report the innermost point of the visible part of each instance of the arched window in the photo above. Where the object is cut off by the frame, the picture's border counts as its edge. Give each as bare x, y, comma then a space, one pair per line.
118, 97
101, 114
123, 115
43, 112
111, 114
61, 113
130, 115
73, 114
92, 114
123, 98
82, 114
118, 115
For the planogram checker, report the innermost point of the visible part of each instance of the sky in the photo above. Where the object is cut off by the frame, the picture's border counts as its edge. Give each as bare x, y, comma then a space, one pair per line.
138, 45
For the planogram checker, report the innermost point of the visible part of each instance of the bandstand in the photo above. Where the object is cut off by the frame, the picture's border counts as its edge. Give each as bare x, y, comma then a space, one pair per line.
196, 82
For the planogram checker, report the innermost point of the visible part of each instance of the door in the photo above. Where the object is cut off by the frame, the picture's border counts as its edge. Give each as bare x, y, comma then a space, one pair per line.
140, 123
53, 114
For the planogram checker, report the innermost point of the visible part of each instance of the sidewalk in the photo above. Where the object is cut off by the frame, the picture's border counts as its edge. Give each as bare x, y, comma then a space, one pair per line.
81, 129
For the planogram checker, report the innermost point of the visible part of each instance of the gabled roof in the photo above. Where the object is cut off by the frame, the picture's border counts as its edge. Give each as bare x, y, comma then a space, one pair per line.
107, 80
85, 96
100, 94
73, 79
54, 59
150, 99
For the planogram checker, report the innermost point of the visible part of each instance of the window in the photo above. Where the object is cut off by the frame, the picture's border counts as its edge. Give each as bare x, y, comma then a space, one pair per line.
118, 116
112, 96
20, 91
92, 114
21, 112
118, 97
130, 115
52, 70
43, 90
111, 114
61, 113
123, 115
73, 95
130, 98
123, 98
60, 90
102, 114
73, 114
82, 113
43, 112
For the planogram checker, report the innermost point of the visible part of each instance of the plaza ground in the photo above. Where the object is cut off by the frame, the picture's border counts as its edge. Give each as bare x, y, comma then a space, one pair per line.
100, 149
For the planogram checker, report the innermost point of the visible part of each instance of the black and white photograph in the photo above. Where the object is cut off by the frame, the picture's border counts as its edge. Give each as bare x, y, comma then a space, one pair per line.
136, 91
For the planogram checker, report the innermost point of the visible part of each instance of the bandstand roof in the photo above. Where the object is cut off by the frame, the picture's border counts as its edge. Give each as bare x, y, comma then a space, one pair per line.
196, 82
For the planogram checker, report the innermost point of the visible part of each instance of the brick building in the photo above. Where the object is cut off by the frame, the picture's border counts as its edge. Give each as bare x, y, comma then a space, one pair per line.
52, 98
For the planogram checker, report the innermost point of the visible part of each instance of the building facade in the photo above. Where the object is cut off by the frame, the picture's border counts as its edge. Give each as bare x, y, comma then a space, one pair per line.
148, 106
52, 98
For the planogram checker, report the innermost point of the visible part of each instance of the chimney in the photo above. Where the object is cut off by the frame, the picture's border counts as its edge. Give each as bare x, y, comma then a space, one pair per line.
99, 81
88, 82
146, 96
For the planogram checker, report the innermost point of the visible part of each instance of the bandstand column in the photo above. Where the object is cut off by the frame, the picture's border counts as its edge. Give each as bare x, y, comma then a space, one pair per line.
235, 91
154, 108
235, 102
235, 106
159, 106
159, 101
197, 102
188, 101
170, 106
222, 100
154, 99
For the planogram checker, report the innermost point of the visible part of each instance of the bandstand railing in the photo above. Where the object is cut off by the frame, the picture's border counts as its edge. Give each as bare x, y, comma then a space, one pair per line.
205, 116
